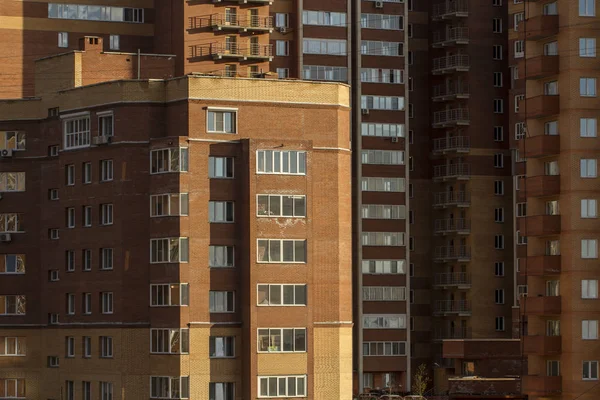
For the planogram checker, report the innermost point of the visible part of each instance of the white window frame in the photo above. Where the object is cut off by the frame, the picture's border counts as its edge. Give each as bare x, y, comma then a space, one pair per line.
588, 168
587, 8
167, 244
588, 127
278, 159
587, 47
106, 170
589, 329
169, 205
383, 321
76, 131
224, 253
282, 382
115, 42
106, 214
166, 156
221, 212
169, 341
587, 87
63, 39
298, 211
589, 288
281, 243
107, 302
587, 370
106, 347
106, 258
221, 347
217, 164
589, 208
280, 332
221, 301
212, 122
169, 295
589, 248
280, 288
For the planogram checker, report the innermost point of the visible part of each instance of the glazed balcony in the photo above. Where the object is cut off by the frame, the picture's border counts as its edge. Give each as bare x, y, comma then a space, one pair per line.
536, 385
540, 265
540, 225
450, 91
538, 67
541, 305
452, 307
234, 22
449, 253
450, 9
541, 345
451, 199
451, 333
459, 280
456, 144
451, 64
451, 37
541, 106
539, 27
449, 118
539, 146
542, 186
460, 226
452, 171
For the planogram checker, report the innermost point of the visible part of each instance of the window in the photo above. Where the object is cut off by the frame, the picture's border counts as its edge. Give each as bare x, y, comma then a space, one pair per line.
383, 157
221, 391
95, 13
498, 106
587, 47
220, 167
588, 127
86, 388
521, 240
11, 222
281, 295
220, 121
497, 52
283, 73
382, 21
518, 99
12, 181
588, 168
163, 205
281, 206
384, 348
281, 20
87, 303
12, 346
86, 256
410, 35
281, 162
498, 161
115, 42
379, 48
52, 194
87, 347
70, 174
394, 103
69, 347
12, 141
499, 297
381, 211
382, 130
521, 209
383, 184
589, 329
282, 48
590, 371
551, 168
171, 387
325, 72
12, 264
106, 347
550, 9
497, 79
367, 380
411, 57
317, 46
378, 75
70, 389
87, 216
63, 39
497, 25
499, 215
53, 150
220, 211
281, 251
499, 242
551, 48
221, 346
70, 217
587, 8
500, 323
382, 239
324, 18
517, 19
70, 303
169, 294
169, 250
519, 129
519, 49
107, 302
587, 87
589, 289
169, 160
384, 293
383, 266
220, 256
389, 321
589, 208
499, 188
106, 214
170, 341
106, 259
589, 248
76, 132
106, 170
277, 340
551, 88
221, 302
106, 391
499, 268
282, 386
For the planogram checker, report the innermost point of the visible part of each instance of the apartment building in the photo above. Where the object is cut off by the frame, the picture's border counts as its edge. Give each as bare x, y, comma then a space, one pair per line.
166, 238
556, 133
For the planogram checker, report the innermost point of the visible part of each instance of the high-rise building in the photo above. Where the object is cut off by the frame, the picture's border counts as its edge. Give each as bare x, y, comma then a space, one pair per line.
179, 238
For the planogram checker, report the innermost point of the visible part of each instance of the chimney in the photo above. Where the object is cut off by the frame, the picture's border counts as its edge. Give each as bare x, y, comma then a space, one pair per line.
90, 43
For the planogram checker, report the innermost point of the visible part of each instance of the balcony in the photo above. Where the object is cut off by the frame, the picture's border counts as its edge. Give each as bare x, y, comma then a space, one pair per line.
449, 118
540, 225
449, 253
450, 9
451, 333
450, 91
220, 51
456, 144
452, 171
535, 385
538, 67
233, 22
460, 226
542, 186
539, 146
451, 64
540, 106
541, 305
451, 37
539, 27
541, 345
540, 266
452, 307
459, 280
451, 199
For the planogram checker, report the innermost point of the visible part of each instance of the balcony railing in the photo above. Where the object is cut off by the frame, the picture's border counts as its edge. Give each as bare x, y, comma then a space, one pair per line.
449, 253
259, 51
446, 118
451, 225
232, 22
232, 50
445, 199
542, 345
536, 385
461, 279
452, 171
450, 9
451, 91
246, 1
452, 36
449, 64
461, 307
459, 144
451, 333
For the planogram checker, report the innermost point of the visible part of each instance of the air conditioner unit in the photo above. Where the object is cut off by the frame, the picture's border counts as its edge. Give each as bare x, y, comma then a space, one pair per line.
5, 237
365, 111
394, 140
282, 29
378, 4
97, 140
6, 153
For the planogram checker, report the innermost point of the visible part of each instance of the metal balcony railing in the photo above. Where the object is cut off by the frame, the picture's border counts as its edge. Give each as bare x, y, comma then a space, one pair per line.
459, 225
452, 307
452, 279
458, 35
232, 21
456, 143
457, 116
232, 50
259, 51
443, 199
451, 90
452, 333
450, 8
458, 62
459, 171
452, 253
